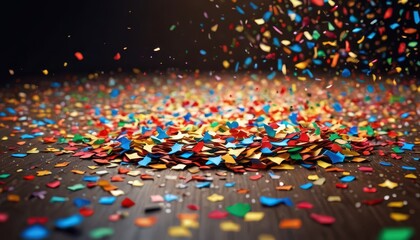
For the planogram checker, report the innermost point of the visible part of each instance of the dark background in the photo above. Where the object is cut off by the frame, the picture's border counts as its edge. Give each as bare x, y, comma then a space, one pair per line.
44, 34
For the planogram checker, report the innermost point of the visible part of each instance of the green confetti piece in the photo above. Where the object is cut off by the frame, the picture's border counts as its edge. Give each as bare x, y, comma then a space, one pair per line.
334, 136
4, 175
101, 232
239, 209
397, 150
401, 233
76, 187
295, 156
316, 35
99, 141
62, 140
78, 138
295, 149
172, 27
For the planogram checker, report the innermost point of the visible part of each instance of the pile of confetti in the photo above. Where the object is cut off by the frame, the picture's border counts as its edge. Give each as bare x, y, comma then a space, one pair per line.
134, 127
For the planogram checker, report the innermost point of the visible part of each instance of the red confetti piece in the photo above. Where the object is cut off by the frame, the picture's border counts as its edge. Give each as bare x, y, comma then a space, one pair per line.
372, 201
3, 217
37, 220
341, 185
29, 177
322, 219
366, 169
117, 56
369, 190
79, 56
54, 184
127, 203
217, 214
318, 2
304, 205
193, 207
255, 177
86, 212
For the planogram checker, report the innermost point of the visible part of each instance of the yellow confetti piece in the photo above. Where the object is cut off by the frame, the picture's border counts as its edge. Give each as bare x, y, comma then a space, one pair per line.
334, 199
229, 226
93, 167
158, 166
259, 21
253, 216
313, 177
323, 164
43, 173
214, 28
32, 151
302, 65
266, 237
388, 184
62, 164
283, 167
148, 148
215, 198
226, 64
346, 173
179, 231
136, 183
397, 204
80, 172
280, 158
265, 48
411, 176
399, 216
45, 72
133, 156
361, 40
236, 152
228, 159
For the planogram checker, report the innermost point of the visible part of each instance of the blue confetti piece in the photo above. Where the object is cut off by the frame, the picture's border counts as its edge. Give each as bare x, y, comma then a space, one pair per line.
356, 30
114, 93
81, 202
269, 130
385, 164
272, 75
91, 178
203, 185
280, 144
347, 179
35, 232
107, 200
334, 157
271, 202
232, 125
405, 115
214, 160
337, 107
276, 42
203, 52
416, 17
306, 186
176, 148
230, 145
145, 161
394, 26
170, 197
11, 110
353, 130
248, 141
230, 184
371, 35
293, 118
207, 137
27, 136
19, 155
69, 222
253, 5
267, 15
125, 143
346, 73
187, 155
296, 48
370, 88
409, 168
407, 146
248, 61
416, 158
266, 151
161, 133
240, 10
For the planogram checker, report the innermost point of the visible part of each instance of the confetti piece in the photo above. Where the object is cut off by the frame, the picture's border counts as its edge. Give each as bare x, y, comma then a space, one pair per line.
322, 219
253, 216
215, 198
388, 184
396, 233
146, 221
292, 223
35, 232
271, 202
179, 231
229, 226
101, 232
399, 216
239, 209
78, 56
69, 222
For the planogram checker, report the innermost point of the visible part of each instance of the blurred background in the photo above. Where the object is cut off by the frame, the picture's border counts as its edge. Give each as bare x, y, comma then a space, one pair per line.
296, 38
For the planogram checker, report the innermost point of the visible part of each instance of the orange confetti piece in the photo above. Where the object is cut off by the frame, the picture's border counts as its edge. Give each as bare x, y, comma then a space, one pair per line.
292, 223
146, 221
79, 56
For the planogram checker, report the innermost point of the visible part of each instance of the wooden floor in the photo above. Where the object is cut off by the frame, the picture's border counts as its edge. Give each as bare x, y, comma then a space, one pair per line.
354, 220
